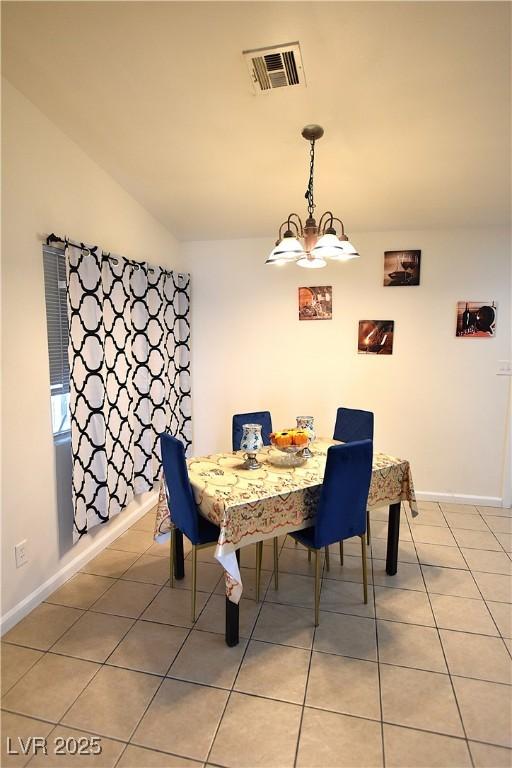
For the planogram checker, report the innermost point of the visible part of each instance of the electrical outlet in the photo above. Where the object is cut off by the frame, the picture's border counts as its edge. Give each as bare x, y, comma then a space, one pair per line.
21, 553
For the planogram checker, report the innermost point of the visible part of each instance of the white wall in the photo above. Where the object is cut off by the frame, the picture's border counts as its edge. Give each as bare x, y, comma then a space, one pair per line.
437, 399
48, 185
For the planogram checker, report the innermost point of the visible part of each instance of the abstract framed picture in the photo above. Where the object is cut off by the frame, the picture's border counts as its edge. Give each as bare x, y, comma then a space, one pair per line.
476, 319
375, 337
315, 303
402, 267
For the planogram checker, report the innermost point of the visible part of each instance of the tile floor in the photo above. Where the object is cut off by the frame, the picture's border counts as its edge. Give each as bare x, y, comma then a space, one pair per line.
421, 676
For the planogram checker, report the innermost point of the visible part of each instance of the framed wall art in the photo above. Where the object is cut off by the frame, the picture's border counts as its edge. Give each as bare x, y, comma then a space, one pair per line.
375, 337
315, 303
402, 267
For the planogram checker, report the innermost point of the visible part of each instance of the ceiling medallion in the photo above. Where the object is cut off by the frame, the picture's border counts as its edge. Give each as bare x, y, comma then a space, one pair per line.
311, 245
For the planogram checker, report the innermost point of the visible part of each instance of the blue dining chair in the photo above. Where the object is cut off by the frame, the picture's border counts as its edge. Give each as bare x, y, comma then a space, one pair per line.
264, 418
353, 424
341, 511
184, 513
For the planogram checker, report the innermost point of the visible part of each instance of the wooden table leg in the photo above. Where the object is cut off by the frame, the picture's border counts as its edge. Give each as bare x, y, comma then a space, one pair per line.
179, 560
393, 538
232, 618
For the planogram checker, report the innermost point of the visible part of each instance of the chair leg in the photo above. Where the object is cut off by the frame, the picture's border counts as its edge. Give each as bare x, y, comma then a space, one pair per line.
309, 555
171, 560
327, 563
365, 572
317, 588
368, 526
276, 563
259, 554
194, 576
341, 553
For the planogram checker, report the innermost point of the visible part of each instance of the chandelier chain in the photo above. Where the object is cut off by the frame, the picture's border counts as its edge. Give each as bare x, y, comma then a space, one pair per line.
309, 191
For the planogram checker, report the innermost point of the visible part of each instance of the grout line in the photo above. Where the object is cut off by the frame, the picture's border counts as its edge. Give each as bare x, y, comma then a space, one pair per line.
378, 656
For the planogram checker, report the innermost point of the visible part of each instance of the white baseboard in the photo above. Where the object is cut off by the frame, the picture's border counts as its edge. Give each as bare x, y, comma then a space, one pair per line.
460, 498
115, 528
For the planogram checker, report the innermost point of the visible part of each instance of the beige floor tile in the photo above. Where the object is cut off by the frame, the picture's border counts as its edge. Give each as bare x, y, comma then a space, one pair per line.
93, 637
205, 658
477, 656
62, 741
409, 645
138, 757
485, 756
427, 504
494, 587
148, 569
15, 660
133, 541
403, 605
449, 581
432, 534
249, 583
256, 733
499, 524
126, 598
346, 597
428, 517
419, 699
50, 687
81, 591
182, 718
406, 748
145, 523
379, 529
113, 703
406, 551
329, 740
351, 570
463, 614
208, 576
248, 556
443, 556
505, 539
274, 671
293, 590
408, 576
285, 624
43, 626
293, 561
149, 647
488, 562
485, 710
502, 615
173, 606
466, 522
495, 511
346, 635
162, 549
213, 615
466, 509
477, 540
348, 686
15, 733
110, 562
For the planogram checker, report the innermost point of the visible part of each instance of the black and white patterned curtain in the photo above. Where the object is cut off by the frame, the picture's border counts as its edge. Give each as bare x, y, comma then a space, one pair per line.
129, 355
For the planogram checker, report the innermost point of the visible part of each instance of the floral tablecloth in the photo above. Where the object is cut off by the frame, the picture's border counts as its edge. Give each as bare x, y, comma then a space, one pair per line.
253, 505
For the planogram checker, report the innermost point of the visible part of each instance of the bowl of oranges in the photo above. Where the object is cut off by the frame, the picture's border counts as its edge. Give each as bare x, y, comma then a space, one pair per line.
290, 440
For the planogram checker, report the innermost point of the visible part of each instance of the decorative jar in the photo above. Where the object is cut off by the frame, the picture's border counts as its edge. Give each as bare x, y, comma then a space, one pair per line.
307, 424
251, 443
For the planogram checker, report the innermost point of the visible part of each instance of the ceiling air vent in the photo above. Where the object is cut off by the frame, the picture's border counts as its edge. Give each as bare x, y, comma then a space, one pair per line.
276, 67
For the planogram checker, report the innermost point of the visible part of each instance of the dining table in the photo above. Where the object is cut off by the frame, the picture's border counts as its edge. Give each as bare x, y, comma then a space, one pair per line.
251, 505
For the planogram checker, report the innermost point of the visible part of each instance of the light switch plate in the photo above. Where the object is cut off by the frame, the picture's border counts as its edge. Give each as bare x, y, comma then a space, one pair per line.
504, 368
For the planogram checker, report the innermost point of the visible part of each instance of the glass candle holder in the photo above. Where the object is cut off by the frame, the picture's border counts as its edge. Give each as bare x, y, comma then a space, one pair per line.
307, 424
251, 443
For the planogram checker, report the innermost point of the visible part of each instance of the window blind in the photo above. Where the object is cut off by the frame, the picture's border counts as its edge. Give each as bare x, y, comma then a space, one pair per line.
56, 318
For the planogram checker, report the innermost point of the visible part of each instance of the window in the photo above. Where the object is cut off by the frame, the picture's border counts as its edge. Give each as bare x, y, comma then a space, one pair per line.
57, 328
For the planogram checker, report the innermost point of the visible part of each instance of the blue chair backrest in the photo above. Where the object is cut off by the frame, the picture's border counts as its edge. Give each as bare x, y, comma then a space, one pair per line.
181, 499
352, 424
258, 417
341, 511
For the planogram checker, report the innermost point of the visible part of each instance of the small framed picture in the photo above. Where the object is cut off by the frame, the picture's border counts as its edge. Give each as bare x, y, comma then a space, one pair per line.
476, 319
375, 337
315, 303
402, 267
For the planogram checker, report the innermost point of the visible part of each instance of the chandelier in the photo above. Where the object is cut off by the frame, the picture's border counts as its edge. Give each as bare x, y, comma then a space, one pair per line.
311, 245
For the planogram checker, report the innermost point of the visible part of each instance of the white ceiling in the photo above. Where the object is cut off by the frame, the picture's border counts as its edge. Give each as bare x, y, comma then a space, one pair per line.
414, 98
